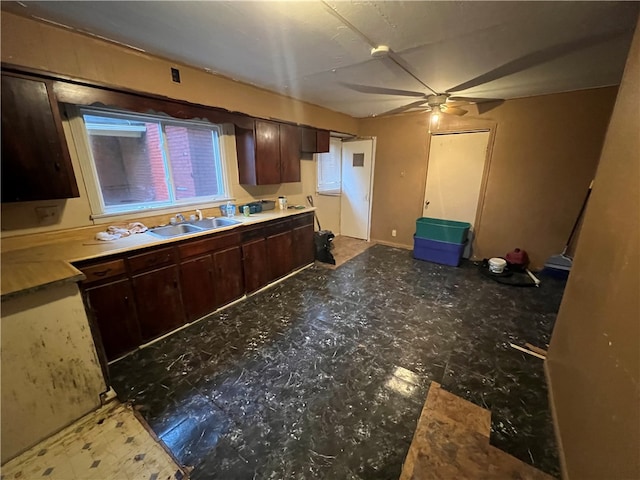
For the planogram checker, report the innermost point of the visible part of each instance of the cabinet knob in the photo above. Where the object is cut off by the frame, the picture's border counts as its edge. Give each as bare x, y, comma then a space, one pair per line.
57, 166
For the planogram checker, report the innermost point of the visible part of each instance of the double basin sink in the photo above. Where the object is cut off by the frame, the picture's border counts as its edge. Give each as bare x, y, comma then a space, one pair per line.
192, 227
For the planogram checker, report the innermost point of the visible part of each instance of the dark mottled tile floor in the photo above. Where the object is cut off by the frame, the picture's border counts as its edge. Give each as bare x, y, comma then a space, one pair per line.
325, 374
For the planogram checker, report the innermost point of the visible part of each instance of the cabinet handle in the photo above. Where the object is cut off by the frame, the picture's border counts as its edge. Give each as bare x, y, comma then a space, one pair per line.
102, 273
126, 299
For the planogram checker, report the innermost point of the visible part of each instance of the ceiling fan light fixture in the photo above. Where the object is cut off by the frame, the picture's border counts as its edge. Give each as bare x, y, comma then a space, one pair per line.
435, 115
380, 51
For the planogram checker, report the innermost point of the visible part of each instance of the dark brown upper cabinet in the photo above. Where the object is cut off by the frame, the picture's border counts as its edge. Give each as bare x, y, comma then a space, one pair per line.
268, 153
314, 141
289, 153
35, 158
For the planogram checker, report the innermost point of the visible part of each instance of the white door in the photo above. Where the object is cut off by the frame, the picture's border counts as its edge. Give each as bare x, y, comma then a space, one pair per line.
454, 177
357, 174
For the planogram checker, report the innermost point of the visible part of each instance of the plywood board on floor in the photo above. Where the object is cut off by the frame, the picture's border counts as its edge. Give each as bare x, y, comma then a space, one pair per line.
452, 441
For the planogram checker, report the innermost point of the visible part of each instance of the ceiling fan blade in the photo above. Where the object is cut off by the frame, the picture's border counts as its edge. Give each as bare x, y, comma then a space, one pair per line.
537, 58
451, 110
483, 104
398, 60
404, 108
381, 90
475, 99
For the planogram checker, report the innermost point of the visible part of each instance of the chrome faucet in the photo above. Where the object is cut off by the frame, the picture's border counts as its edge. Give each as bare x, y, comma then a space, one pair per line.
180, 218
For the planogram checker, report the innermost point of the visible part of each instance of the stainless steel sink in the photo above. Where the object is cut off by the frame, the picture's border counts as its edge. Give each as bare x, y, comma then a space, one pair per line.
211, 223
192, 227
175, 230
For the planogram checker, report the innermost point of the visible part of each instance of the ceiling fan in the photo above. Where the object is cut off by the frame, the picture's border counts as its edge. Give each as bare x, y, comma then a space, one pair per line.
443, 102
432, 102
436, 101
448, 102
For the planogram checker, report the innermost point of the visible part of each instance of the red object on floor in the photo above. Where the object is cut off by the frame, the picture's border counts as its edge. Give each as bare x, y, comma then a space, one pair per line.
517, 257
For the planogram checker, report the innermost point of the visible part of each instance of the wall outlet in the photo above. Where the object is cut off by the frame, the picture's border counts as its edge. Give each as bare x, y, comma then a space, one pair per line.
393, 232
47, 215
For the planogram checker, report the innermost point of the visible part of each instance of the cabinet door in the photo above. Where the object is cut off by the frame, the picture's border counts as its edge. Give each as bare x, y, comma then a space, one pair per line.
246, 152
228, 282
267, 153
256, 265
322, 142
198, 290
314, 141
280, 254
113, 308
308, 140
35, 159
303, 249
158, 302
289, 153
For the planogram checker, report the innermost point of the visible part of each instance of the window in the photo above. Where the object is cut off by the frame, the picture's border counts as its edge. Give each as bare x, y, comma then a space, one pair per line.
329, 169
147, 161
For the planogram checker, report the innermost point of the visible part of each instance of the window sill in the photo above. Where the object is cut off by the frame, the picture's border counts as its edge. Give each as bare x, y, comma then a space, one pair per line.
160, 210
330, 193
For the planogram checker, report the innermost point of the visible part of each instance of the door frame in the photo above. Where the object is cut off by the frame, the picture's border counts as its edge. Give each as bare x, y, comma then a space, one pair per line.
373, 166
467, 126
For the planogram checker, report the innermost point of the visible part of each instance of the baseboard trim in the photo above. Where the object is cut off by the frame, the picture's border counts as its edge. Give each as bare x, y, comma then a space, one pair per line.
391, 244
556, 427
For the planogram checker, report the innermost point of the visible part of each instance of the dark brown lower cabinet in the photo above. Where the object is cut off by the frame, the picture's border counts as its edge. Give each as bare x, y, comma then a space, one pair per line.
280, 254
159, 301
228, 279
198, 289
303, 253
256, 265
113, 307
153, 291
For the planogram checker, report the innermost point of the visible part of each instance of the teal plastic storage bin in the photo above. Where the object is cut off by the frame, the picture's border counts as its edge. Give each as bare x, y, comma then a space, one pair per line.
442, 230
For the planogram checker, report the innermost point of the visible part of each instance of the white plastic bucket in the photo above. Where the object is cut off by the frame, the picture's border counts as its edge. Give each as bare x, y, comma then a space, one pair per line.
496, 265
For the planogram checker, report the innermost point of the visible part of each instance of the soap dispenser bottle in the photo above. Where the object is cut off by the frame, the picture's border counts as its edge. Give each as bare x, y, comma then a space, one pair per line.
230, 209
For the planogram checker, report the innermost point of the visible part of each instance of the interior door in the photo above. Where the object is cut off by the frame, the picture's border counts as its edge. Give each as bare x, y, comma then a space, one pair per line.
357, 173
454, 177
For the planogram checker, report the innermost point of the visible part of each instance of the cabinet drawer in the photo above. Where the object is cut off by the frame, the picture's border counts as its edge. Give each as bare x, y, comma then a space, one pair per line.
101, 271
252, 233
216, 242
302, 220
274, 228
152, 259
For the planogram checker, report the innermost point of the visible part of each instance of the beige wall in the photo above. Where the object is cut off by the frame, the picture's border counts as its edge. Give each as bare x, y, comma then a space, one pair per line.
399, 176
545, 153
37, 45
50, 371
594, 357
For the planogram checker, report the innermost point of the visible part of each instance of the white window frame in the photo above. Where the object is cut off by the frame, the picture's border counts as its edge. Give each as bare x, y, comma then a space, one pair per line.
90, 173
330, 186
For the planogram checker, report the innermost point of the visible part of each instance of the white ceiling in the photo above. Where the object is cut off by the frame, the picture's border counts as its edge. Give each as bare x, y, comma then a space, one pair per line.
304, 50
